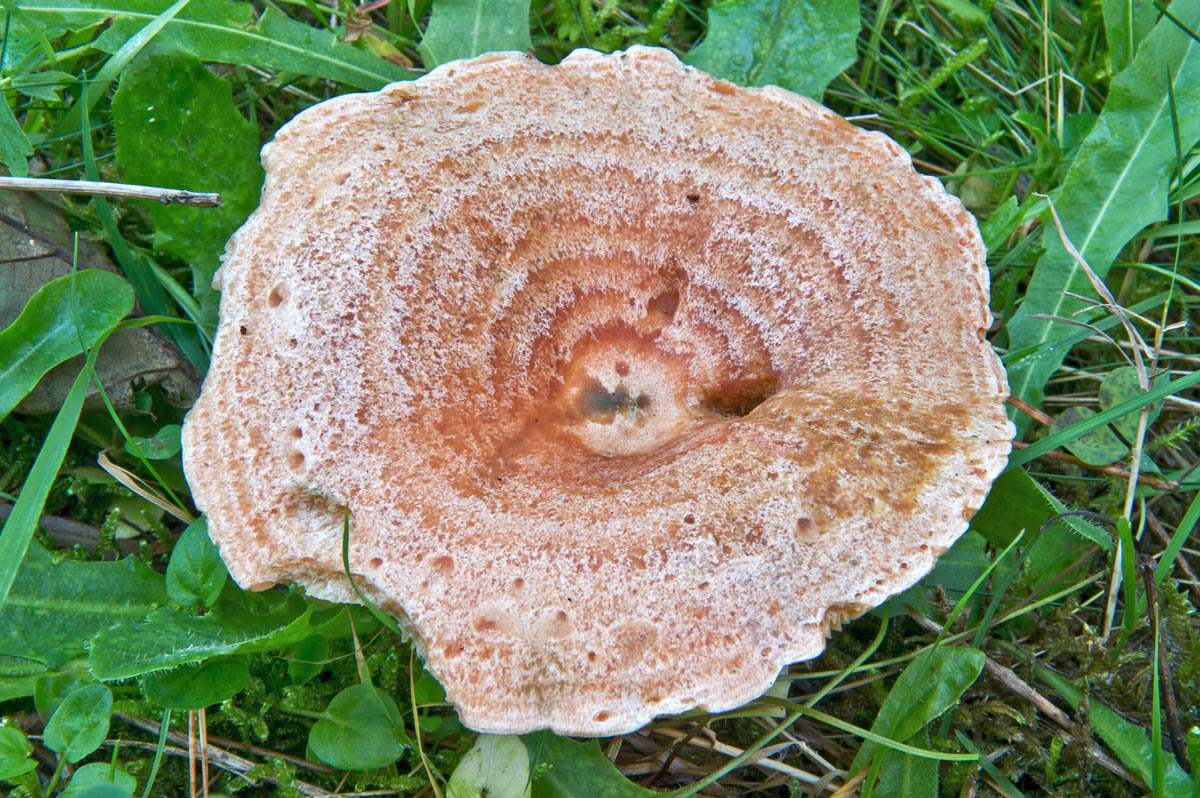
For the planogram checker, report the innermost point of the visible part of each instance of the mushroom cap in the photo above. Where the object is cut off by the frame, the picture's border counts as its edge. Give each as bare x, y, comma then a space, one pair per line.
633, 382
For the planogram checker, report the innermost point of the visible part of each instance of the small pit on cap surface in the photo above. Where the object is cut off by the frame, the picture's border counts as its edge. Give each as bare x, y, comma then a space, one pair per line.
612, 398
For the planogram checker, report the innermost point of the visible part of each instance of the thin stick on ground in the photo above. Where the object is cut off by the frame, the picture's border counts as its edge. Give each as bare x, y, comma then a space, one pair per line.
167, 196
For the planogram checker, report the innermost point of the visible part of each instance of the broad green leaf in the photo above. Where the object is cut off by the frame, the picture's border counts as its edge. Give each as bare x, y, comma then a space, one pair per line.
308, 658
52, 689
1120, 385
361, 729
176, 125
930, 685
195, 573
428, 690
15, 148
150, 289
104, 790
467, 28
497, 766
98, 773
906, 776
800, 45
1126, 23
957, 569
17, 686
97, 86
1128, 741
168, 638
1115, 186
576, 770
215, 30
66, 316
197, 687
53, 608
14, 753
161, 445
1099, 446
80, 723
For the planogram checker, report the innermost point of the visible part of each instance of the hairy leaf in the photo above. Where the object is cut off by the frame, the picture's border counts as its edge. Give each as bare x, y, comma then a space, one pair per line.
195, 573
176, 126
65, 317
53, 608
1115, 186
196, 687
467, 28
800, 45
168, 638
215, 30
80, 723
1018, 501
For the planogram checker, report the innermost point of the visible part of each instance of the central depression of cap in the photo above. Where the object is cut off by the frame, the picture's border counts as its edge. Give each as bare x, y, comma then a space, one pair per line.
633, 383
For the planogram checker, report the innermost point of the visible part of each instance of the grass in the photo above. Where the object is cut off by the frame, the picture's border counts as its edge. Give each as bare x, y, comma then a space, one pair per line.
1065, 663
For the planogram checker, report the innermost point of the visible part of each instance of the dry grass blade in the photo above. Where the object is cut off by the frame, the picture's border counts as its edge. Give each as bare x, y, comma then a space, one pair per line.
760, 758
136, 484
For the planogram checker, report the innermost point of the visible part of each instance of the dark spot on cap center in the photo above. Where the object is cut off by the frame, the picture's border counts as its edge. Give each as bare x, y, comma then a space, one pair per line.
596, 403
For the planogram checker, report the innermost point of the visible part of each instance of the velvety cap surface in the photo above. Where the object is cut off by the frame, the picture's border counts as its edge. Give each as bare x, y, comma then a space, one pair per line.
633, 382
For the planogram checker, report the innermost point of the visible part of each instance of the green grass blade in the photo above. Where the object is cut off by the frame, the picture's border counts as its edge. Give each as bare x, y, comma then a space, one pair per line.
1186, 524
870, 736
163, 728
1159, 763
1009, 788
18, 529
1128, 567
1033, 451
388, 621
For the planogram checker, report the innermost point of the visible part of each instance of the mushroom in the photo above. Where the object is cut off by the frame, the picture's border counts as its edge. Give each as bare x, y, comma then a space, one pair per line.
633, 383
